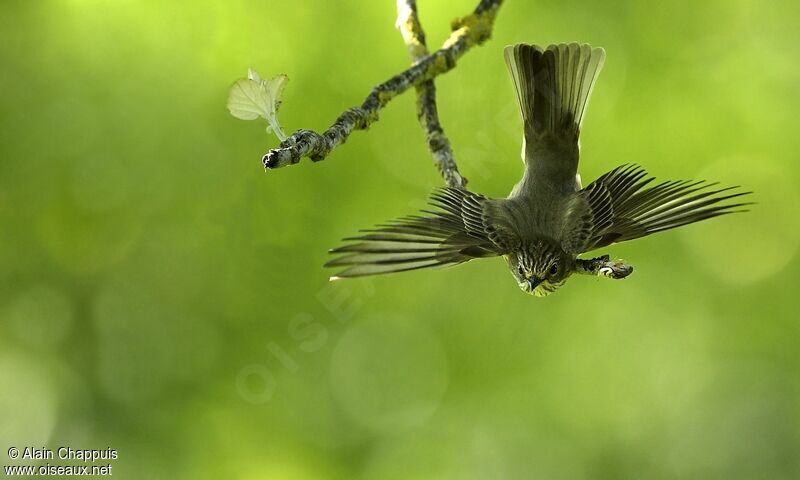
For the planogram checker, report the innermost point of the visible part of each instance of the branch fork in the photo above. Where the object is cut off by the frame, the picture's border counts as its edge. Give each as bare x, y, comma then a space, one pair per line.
469, 31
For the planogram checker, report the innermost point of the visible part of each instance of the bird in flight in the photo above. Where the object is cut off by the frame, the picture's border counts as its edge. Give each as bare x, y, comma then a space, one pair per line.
549, 219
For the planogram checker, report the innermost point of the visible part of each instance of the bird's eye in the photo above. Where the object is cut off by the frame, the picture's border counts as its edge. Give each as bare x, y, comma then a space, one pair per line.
519, 269
553, 269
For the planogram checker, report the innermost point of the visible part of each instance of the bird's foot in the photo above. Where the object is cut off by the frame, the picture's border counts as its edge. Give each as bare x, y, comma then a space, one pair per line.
604, 267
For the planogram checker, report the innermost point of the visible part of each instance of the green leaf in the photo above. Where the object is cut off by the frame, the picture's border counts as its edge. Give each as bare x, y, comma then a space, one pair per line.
253, 97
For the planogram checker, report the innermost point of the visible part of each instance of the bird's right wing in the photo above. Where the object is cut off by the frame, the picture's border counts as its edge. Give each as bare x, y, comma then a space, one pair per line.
619, 206
461, 227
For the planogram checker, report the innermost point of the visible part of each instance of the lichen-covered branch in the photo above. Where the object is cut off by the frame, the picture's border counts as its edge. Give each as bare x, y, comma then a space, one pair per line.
427, 112
474, 29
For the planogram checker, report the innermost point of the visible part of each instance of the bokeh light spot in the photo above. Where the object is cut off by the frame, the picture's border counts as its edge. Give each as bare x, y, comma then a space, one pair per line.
748, 247
41, 317
99, 182
84, 242
27, 405
389, 373
144, 345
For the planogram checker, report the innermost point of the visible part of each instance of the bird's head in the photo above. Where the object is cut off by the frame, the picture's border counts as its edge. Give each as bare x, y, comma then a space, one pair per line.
540, 267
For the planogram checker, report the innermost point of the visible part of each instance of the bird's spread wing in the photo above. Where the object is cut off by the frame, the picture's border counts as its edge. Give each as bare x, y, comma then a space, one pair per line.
621, 206
459, 229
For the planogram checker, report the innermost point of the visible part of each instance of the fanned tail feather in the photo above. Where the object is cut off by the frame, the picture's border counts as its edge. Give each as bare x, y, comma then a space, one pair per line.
554, 85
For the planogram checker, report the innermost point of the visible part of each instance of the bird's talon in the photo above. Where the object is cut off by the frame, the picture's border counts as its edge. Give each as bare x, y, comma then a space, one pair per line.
620, 270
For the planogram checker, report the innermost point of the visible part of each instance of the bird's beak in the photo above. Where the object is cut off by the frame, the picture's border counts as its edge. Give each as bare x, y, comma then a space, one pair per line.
533, 282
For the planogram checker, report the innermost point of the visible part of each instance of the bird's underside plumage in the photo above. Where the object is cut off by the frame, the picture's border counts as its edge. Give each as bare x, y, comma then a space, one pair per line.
548, 220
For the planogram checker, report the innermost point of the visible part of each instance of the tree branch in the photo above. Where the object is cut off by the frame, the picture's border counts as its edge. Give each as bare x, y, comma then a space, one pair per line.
427, 113
474, 29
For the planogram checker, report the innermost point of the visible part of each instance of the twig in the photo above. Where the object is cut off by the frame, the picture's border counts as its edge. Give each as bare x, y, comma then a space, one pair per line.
474, 29
427, 113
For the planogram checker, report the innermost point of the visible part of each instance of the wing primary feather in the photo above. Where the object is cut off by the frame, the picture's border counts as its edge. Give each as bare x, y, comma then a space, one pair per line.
456, 230
622, 205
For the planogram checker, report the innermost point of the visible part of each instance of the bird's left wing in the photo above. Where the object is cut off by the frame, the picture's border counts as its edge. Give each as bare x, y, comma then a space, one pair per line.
621, 205
463, 226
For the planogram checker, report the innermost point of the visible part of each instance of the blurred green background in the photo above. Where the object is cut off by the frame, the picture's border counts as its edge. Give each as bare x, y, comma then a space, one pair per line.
161, 295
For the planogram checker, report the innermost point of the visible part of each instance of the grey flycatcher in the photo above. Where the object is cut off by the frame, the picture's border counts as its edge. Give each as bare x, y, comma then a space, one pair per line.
548, 220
